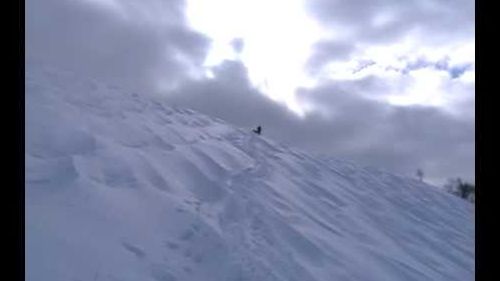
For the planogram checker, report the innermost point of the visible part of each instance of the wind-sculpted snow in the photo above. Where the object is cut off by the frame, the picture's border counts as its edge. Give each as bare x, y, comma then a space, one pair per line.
120, 186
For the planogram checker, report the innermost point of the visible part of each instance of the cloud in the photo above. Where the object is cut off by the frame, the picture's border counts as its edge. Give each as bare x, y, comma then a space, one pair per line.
383, 20
138, 44
397, 138
443, 64
326, 51
238, 44
391, 32
230, 96
147, 46
459, 70
344, 124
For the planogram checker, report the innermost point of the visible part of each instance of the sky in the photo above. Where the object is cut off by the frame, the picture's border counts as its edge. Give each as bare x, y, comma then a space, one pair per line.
382, 83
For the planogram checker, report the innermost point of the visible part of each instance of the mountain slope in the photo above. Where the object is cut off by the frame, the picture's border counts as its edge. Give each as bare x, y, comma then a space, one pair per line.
119, 186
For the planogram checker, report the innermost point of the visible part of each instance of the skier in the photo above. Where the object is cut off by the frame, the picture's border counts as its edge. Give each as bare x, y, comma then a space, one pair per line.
258, 130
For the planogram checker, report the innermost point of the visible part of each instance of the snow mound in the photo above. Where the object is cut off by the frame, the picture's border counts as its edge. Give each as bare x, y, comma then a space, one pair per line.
120, 186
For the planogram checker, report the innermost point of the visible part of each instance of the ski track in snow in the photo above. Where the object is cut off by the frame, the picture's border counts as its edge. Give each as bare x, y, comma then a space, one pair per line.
120, 186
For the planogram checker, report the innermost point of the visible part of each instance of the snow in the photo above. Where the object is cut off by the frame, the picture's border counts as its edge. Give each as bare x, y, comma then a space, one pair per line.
120, 186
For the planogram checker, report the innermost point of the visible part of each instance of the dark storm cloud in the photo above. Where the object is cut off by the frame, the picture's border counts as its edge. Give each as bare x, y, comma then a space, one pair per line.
399, 139
124, 44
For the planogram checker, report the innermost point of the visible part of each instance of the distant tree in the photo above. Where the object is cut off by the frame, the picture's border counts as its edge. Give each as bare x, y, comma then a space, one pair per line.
420, 175
467, 191
461, 189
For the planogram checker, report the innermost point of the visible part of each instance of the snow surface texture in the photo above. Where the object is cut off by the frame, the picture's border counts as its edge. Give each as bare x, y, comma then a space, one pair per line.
120, 186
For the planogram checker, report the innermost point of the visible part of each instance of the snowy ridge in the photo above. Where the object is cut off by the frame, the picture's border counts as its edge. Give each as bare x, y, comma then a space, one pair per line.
120, 186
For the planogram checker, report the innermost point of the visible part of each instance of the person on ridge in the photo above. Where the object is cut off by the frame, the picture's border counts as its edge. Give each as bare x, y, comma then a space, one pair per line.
258, 130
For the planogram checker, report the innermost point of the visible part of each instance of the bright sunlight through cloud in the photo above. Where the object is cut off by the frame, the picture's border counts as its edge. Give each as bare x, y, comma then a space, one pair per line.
277, 40
279, 36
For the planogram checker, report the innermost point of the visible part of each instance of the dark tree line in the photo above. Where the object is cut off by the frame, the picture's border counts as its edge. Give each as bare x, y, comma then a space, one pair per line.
461, 189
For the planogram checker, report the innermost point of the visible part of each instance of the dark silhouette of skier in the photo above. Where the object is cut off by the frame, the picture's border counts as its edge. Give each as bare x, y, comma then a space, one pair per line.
258, 130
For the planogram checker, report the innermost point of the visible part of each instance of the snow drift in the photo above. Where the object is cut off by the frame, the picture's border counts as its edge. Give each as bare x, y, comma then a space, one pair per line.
120, 186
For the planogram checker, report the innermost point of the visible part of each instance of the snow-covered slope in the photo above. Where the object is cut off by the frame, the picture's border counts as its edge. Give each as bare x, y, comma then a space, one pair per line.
120, 186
